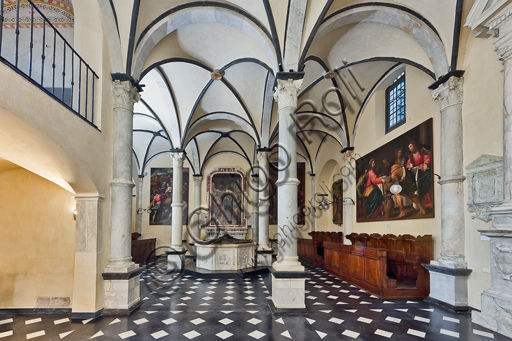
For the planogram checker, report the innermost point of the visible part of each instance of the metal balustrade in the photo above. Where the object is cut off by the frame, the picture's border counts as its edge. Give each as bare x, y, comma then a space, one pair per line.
68, 79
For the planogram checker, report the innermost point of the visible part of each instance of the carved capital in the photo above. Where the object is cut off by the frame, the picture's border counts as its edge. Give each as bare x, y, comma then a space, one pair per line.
286, 93
198, 179
263, 157
125, 95
177, 158
449, 93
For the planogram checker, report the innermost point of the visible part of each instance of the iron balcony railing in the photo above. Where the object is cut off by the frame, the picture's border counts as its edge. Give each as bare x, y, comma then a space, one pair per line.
68, 79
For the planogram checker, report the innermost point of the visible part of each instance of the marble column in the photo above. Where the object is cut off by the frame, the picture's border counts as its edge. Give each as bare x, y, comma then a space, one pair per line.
197, 203
348, 219
313, 209
139, 208
348, 174
121, 277
288, 276
264, 252
448, 274
176, 254
496, 302
255, 209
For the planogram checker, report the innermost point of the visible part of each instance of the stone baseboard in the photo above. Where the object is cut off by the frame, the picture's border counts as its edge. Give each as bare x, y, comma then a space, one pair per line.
495, 314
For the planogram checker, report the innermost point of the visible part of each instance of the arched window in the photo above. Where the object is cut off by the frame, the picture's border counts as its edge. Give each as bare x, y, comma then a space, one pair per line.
395, 103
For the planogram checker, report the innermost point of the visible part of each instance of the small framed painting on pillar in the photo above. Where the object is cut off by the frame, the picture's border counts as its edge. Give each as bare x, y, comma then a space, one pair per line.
337, 202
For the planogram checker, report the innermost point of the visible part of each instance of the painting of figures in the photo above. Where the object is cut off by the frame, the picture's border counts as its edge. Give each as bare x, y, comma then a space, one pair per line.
406, 162
161, 196
226, 204
337, 202
301, 197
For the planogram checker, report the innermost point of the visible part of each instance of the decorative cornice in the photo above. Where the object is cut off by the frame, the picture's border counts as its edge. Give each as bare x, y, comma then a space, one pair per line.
286, 93
449, 93
451, 179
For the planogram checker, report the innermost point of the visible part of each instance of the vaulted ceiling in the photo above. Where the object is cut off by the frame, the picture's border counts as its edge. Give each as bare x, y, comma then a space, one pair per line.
210, 68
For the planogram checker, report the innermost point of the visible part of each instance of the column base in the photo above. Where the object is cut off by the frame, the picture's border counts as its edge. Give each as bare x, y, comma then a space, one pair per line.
122, 292
448, 286
175, 260
264, 257
495, 314
289, 290
121, 265
291, 264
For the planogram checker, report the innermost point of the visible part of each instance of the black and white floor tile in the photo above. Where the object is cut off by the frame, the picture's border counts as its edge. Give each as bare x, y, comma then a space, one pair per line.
219, 309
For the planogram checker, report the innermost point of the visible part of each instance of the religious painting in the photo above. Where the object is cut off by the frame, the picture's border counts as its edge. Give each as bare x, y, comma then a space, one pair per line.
226, 188
161, 196
301, 193
337, 202
395, 181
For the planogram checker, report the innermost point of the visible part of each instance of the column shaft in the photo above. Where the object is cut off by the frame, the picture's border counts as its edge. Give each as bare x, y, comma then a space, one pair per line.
177, 201
507, 130
121, 211
139, 208
287, 183
312, 213
255, 208
263, 204
197, 204
449, 95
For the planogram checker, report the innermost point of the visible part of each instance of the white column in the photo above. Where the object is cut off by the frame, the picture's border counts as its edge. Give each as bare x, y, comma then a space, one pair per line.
177, 200
255, 209
288, 276
348, 218
139, 208
287, 183
263, 203
450, 96
120, 260
197, 204
312, 212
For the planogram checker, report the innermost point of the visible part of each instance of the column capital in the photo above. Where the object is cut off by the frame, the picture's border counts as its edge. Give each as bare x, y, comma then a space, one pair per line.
312, 175
286, 92
263, 156
197, 179
125, 94
177, 156
449, 93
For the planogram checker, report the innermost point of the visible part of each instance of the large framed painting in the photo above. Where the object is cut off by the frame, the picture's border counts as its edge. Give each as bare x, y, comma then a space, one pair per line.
226, 200
161, 196
301, 197
407, 161
337, 202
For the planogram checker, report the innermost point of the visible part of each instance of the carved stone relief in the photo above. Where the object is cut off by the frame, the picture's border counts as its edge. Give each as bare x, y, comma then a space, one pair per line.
485, 185
502, 260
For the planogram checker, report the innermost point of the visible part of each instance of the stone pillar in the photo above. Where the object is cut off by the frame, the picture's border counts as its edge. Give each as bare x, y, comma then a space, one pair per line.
288, 275
139, 208
496, 302
313, 209
255, 210
176, 254
264, 252
88, 244
197, 204
121, 275
448, 275
348, 218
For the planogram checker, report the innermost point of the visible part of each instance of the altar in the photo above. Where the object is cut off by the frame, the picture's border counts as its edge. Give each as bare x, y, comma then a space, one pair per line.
224, 246
228, 254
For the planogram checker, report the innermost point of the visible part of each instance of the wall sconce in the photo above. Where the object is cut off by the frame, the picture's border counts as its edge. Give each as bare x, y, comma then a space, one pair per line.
74, 214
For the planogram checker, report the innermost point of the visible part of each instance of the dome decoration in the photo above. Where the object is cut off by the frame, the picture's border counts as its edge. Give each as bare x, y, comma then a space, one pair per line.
59, 13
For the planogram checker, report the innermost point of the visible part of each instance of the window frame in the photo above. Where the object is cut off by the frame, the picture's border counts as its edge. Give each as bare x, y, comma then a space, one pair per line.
390, 88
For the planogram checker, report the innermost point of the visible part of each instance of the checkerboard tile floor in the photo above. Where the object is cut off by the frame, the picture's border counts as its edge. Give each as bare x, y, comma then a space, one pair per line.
212, 309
